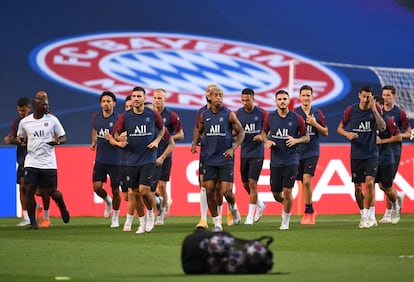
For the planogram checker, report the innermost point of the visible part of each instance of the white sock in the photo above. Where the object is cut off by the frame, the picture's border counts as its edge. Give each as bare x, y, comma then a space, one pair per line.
219, 211
46, 214
108, 200
129, 219
115, 215
365, 213
252, 207
371, 213
203, 204
285, 217
361, 212
216, 220
151, 212
142, 220
259, 203
25, 215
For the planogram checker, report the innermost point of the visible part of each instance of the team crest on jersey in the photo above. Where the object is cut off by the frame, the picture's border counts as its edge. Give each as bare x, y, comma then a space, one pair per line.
183, 65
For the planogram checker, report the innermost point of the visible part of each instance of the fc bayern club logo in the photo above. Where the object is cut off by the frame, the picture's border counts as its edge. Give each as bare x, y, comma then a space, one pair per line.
183, 65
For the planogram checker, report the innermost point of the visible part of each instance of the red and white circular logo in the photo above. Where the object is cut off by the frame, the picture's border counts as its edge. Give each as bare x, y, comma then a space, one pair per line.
183, 65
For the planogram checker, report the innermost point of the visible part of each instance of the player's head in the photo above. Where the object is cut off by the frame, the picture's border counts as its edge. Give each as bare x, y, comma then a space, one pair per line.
23, 106
108, 94
247, 98
149, 105
388, 94
160, 97
305, 95
379, 100
208, 90
128, 103
282, 99
108, 101
216, 96
391, 88
364, 94
40, 105
138, 97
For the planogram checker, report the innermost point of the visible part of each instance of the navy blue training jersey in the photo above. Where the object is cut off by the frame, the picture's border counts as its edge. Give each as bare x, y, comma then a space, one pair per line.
217, 137
278, 129
141, 130
386, 153
401, 119
105, 152
252, 124
21, 151
363, 123
311, 149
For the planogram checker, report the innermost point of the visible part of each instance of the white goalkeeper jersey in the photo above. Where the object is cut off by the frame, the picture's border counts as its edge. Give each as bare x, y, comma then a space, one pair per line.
39, 132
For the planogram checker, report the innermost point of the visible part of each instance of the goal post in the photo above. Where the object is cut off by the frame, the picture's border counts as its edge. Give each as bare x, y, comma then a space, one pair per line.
401, 78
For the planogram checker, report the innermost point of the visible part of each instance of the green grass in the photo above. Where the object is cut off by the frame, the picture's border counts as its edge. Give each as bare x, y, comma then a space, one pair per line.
86, 249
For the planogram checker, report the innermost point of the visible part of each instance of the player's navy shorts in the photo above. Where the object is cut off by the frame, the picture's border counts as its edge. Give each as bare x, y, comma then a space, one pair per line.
101, 171
385, 175
308, 166
250, 168
140, 175
156, 179
19, 173
122, 178
166, 169
396, 164
223, 173
283, 177
44, 178
362, 168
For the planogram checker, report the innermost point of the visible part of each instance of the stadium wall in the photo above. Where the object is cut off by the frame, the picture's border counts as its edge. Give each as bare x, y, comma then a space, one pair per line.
333, 189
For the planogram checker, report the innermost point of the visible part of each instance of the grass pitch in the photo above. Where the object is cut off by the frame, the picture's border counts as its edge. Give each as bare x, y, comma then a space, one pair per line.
87, 249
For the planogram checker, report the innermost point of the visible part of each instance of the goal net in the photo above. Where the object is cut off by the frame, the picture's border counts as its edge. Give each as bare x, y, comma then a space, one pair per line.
402, 79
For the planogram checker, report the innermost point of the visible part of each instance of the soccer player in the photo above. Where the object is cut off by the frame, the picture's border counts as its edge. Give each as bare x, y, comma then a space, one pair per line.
283, 131
252, 152
23, 109
386, 162
215, 128
362, 121
401, 119
309, 153
42, 131
175, 128
202, 224
144, 129
122, 144
107, 160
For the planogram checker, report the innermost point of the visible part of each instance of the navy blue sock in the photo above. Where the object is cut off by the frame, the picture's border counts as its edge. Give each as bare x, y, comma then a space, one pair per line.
309, 208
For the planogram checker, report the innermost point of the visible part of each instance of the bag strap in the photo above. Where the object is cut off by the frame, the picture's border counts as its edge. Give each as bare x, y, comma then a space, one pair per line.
267, 240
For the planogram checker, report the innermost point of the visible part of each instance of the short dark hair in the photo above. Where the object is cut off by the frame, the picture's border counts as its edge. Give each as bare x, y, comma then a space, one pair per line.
248, 91
366, 88
138, 88
389, 87
108, 93
379, 99
281, 92
306, 87
128, 98
23, 102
